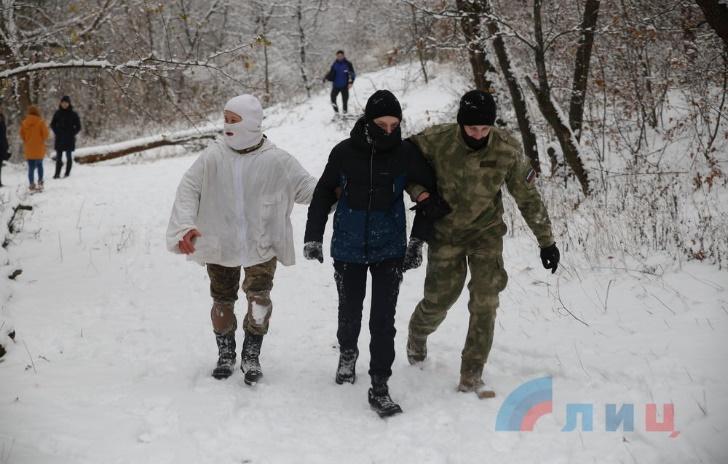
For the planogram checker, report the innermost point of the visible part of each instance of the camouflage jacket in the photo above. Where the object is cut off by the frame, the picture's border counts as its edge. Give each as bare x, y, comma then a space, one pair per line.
470, 180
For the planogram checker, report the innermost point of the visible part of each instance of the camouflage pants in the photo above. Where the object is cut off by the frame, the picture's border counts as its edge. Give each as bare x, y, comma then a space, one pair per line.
258, 283
446, 271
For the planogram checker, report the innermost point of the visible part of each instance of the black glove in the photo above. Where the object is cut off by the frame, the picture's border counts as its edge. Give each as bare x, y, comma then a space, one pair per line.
550, 257
313, 250
433, 207
413, 255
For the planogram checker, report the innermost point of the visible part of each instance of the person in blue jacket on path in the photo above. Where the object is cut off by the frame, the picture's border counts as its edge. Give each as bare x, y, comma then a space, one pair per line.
342, 78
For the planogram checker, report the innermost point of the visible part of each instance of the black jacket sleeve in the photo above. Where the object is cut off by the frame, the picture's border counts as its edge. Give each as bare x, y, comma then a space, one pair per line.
54, 122
420, 172
352, 73
330, 75
76, 124
324, 196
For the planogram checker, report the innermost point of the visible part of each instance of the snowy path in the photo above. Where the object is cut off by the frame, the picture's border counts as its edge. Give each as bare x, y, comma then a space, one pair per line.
120, 338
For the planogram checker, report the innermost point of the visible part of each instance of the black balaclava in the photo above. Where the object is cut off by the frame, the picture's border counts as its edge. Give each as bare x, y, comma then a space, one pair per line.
477, 108
383, 103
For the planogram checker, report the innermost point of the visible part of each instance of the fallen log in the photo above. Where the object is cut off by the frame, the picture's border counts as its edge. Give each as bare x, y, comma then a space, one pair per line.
117, 150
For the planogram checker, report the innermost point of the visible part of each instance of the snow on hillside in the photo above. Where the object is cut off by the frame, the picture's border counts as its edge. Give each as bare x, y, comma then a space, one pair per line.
114, 346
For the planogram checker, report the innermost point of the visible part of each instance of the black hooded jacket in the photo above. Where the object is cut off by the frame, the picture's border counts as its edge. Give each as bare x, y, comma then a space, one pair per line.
369, 223
65, 124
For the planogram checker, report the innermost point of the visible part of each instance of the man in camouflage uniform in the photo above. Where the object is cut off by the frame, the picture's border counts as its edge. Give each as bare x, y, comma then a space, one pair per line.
472, 160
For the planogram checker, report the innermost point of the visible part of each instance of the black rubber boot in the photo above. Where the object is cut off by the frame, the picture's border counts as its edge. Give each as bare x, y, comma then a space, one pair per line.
346, 372
379, 398
250, 363
226, 355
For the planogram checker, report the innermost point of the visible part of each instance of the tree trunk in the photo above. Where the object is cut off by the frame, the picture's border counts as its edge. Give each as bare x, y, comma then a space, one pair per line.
470, 24
528, 136
581, 67
716, 13
267, 72
117, 150
263, 38
563, 134
302, 48
549, 107
419, 43
22, 93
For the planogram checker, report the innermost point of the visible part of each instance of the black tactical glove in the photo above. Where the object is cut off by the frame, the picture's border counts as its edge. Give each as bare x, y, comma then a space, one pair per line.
550, 257
433, 207
313, 250
413, 255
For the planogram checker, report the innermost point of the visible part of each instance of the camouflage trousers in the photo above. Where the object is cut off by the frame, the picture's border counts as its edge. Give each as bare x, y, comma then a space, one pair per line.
257, 284
446, 272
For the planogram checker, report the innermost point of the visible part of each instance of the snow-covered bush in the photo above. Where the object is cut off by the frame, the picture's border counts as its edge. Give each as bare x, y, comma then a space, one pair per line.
9, 202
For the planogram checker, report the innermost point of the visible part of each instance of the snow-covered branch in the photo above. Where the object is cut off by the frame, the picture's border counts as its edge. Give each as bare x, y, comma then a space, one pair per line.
146, 64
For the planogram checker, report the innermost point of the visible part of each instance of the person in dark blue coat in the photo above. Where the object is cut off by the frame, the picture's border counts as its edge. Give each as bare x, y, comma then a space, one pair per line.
65, 125
367, 174
342, 78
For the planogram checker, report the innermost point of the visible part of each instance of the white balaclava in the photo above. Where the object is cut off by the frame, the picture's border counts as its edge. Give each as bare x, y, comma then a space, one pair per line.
247, 132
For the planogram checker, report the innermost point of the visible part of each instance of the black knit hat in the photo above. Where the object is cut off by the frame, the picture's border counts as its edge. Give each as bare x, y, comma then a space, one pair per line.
477, 108
66, 98
382, 103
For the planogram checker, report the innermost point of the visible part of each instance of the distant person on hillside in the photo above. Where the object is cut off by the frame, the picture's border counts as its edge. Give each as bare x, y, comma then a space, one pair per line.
34, 133
4, 154
342, 78
232, 210
367, 174
66, 125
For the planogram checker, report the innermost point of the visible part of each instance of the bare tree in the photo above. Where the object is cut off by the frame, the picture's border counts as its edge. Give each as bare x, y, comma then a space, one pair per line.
518, 100
24, 40
470, 12
581, 66
419, 42
548, 106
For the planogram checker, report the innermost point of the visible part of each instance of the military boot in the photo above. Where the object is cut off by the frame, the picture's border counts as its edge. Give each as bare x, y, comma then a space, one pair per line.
379, 398
416, 349
471, 381
346, 372
226, 355
250, 363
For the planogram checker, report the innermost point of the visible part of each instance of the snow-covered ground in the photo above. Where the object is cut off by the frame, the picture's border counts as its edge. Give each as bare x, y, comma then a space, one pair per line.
114, 346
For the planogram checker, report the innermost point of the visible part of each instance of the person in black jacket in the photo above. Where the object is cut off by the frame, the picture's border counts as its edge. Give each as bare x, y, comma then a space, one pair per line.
66, 125
4, 155
367, 174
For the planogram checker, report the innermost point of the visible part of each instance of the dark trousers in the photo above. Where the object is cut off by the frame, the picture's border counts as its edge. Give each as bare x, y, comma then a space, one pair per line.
344, 97
351, 281
59, 162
